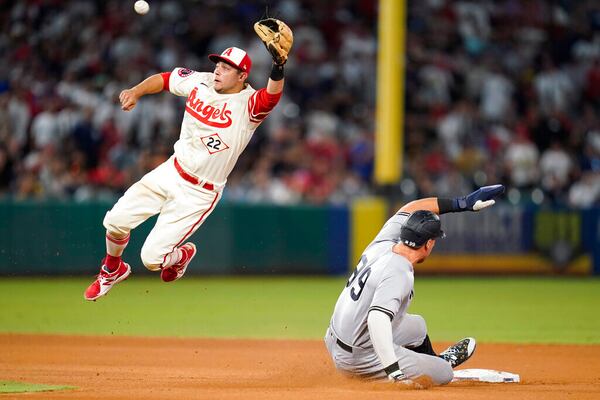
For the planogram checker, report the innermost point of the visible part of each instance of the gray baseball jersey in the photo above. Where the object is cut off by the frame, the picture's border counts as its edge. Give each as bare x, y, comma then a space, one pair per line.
383, 281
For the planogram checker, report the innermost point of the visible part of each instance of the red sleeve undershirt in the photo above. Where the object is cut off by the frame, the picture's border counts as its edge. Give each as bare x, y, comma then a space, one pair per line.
261, 103
166, 76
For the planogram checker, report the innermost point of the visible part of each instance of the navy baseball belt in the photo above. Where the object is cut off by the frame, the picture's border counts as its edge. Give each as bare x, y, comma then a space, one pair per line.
343, 345
191, 178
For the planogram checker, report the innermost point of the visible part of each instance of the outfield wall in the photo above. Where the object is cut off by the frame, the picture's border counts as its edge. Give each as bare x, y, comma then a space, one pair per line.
68, 238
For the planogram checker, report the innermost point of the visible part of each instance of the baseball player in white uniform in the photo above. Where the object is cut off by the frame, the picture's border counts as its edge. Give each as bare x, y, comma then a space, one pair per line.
222, 112
370, 334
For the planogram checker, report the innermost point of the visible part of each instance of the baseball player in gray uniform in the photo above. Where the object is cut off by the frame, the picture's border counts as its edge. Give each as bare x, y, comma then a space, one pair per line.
370, 334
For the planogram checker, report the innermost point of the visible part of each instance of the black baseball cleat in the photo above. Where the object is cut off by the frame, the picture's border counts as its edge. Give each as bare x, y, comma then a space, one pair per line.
459, 352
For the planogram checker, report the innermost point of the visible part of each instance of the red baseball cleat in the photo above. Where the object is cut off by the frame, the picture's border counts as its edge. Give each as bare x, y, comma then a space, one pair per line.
174, 272
106, 280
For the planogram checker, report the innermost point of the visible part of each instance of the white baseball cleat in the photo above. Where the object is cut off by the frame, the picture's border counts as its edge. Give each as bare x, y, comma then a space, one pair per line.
106, 280
459, 352
174, 272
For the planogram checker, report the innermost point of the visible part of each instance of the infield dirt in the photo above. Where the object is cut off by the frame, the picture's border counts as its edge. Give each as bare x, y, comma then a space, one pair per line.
169, 368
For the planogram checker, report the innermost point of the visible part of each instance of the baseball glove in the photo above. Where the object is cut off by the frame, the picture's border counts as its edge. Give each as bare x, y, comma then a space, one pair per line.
277, 37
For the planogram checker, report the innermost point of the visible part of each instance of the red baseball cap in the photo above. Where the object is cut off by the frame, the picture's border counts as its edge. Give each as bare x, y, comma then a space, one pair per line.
235, 57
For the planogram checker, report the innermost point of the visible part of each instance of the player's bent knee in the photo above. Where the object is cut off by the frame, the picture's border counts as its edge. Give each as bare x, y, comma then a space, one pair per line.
420, 325
152, 267
415, 329
445, 375
149, 259
116, 235
113, 227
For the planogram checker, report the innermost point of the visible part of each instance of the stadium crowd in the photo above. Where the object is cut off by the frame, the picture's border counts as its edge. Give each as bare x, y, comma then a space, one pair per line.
496, 91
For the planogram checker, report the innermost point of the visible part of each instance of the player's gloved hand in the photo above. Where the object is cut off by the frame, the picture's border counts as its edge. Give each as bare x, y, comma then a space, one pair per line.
277, 38
397, 376
479, 199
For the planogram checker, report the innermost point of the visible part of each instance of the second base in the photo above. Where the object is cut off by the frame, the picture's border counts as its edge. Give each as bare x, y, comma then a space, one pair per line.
485, 375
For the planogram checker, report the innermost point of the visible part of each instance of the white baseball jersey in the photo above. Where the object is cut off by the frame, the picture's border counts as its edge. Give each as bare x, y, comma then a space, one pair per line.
215, 130
382, 281
216, 127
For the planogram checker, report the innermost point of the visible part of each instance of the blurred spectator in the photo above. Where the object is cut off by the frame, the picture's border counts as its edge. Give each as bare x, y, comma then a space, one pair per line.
586, 191
496, 91
496, 94
521, 161
455, 127
554, 88
556, 168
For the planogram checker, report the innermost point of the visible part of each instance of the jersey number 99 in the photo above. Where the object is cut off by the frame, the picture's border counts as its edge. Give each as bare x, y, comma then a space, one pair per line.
358, 279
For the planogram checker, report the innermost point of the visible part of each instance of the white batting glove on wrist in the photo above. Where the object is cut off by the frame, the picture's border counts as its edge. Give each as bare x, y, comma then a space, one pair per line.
394, 372
480, 205
397, 376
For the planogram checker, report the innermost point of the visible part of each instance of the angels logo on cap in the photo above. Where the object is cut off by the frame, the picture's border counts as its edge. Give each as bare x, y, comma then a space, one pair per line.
235, 57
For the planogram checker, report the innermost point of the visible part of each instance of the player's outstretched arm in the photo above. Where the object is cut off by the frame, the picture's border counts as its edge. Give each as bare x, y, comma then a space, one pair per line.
278, 39
478, 200
129, 97
275, 84
429, 204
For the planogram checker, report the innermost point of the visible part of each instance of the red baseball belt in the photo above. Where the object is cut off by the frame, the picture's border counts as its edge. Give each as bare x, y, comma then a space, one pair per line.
191, 178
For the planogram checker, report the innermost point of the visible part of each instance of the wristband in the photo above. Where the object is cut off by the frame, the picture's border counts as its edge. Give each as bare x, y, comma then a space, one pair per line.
393, 367
446, 206
277, 72
394, 373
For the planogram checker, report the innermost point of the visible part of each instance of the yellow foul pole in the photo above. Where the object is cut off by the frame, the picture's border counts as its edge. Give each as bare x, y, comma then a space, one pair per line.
389, 134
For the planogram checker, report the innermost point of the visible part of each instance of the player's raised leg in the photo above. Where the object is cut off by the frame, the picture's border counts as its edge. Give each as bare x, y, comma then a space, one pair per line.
140, 202
163, 249
412, 334
113, 270
177, 261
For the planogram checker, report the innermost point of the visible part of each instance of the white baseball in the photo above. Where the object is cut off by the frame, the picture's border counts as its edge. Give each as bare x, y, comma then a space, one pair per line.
141, 7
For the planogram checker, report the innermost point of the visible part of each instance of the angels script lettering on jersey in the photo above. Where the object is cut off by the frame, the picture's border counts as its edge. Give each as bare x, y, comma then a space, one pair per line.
207, 114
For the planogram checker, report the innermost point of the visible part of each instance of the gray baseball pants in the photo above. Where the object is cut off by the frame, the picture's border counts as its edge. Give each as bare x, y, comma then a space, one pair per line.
364, 362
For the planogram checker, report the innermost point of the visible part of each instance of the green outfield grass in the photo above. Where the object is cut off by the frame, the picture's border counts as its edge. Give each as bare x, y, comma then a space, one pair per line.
22, 387
524, 310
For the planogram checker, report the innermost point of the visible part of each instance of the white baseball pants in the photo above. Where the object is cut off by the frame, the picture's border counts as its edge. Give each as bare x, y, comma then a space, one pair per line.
182, 207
